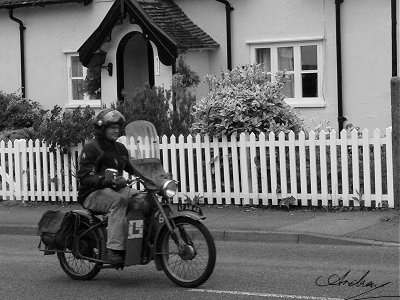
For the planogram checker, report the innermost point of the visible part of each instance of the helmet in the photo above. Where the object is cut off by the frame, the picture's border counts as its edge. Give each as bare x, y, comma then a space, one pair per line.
108, 117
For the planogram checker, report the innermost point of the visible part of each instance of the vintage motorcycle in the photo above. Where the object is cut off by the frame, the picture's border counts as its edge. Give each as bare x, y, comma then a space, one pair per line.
175, 238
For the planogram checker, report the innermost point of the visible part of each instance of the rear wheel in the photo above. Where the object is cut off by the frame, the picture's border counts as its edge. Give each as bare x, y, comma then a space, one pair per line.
89, 246
193, 263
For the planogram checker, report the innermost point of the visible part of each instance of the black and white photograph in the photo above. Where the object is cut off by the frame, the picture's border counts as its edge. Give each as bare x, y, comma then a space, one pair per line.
199, 149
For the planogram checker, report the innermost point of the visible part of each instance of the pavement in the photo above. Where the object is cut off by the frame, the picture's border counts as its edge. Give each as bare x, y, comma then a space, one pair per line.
378, 227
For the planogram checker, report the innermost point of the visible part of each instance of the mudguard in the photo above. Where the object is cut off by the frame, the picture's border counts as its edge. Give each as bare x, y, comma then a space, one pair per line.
177, 215
189, 214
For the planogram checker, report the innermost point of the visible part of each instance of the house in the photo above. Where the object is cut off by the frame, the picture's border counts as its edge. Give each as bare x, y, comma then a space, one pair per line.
339, 54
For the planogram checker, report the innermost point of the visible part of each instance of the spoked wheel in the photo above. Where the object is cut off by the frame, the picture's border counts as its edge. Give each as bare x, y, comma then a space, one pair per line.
192, 264
89, 246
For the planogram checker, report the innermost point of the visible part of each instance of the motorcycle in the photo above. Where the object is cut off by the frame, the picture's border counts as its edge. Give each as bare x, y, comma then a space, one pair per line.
174, 238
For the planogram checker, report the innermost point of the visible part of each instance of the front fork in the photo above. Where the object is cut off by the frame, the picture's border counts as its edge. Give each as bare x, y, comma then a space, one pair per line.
169, 222
175, 234
186, 250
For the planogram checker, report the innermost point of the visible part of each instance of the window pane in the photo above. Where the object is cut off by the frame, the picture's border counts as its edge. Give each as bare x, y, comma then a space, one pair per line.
288, 88
309, 57
285, 58
77, 89
76, 66
263, 56
310, 85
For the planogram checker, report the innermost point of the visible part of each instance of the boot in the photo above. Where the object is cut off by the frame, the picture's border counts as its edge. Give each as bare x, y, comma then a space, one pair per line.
114, 256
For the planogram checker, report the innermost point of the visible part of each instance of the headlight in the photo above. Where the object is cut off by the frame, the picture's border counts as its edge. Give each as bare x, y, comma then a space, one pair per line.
170, 187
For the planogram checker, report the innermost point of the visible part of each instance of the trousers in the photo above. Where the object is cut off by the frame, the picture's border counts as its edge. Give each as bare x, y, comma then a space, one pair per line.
115, 204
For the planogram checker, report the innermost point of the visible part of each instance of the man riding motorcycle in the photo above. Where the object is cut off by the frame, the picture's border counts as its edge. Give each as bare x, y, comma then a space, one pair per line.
101, 193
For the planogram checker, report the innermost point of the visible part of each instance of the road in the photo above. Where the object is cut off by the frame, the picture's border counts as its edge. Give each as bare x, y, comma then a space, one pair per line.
243, 271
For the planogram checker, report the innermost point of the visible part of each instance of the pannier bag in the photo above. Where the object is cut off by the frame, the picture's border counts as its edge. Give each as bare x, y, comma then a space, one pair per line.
55, 229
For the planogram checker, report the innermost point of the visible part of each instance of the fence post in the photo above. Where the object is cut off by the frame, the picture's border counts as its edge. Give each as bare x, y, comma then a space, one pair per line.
395, 96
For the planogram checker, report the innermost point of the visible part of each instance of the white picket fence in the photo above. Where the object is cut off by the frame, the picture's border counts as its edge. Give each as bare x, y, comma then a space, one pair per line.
310, 169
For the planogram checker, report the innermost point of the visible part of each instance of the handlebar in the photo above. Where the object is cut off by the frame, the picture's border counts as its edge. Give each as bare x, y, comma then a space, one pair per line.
132, 181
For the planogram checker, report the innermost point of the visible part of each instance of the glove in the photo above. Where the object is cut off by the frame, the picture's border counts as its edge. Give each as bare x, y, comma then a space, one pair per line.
115, 183
119, 183
106, 182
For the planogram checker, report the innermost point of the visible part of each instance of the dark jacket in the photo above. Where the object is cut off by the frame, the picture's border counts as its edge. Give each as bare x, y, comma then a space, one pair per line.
93, 162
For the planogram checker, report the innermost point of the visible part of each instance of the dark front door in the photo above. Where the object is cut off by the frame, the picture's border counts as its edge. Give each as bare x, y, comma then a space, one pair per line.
135, 64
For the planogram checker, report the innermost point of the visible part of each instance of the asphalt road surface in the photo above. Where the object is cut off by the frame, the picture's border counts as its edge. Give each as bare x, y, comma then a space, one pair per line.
243, 271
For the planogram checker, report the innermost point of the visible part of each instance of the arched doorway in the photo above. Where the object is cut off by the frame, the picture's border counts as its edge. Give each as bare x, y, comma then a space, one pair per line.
135, 64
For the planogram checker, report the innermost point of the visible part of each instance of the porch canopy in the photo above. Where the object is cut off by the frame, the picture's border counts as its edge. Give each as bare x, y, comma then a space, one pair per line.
162, 21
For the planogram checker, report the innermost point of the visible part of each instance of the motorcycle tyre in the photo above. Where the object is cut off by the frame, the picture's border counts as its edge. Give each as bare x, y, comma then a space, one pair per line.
96, 266
211, 253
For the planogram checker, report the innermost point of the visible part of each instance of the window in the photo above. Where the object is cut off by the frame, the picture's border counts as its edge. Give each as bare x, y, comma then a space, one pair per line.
303, 64
80, 91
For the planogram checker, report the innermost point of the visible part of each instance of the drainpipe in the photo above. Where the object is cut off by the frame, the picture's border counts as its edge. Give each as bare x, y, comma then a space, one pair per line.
228, 9
395, 110
394, 39
341, 118
22, 50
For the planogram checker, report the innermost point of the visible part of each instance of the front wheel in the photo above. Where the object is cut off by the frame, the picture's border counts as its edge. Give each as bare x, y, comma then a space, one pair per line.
191, 264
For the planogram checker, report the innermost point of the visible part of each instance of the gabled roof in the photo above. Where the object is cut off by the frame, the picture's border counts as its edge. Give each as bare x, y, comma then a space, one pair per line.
161, 20
168, 47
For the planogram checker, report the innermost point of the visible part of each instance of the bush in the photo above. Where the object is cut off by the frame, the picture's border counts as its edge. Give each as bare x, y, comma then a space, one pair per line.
182, 99
17, 112
16, 134
243, 100
150, 104
170, 111
66, 128
25, 119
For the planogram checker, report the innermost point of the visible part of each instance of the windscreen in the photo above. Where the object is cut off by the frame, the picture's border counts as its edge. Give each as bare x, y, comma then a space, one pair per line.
143, 129
151, 171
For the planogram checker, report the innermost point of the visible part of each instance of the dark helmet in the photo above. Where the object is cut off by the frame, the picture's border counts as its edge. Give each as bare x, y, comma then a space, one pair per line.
107, 117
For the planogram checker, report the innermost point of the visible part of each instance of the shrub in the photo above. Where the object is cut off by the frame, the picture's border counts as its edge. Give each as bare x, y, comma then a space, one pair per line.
184, 76
66, 128
182, 99
170, 111
16, 134
243, 100
17, 112
25, 119
150, 104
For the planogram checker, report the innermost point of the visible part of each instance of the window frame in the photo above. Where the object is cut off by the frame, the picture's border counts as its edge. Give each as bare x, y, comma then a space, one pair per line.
86, 101
298, 100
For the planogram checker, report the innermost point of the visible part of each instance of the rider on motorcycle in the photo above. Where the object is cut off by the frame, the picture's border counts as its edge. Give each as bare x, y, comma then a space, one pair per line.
101, 193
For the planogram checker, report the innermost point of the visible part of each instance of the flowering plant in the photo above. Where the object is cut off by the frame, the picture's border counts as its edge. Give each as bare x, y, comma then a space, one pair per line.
244, 100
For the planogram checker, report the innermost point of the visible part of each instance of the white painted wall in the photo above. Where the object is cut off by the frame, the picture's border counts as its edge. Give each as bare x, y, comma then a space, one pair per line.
50, 32
199, 62
366, 38
367, 58
9, 54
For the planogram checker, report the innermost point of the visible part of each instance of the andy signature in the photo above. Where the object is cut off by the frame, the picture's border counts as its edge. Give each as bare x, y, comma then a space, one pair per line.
344, 280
